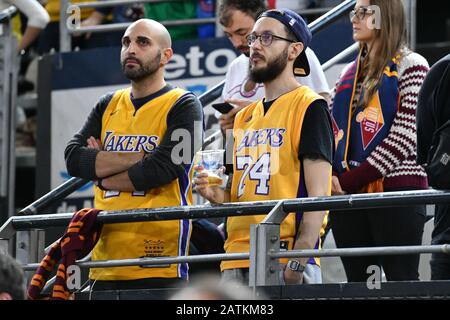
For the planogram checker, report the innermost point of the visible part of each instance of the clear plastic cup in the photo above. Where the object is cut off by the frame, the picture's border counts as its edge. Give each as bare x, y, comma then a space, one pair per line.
212, 162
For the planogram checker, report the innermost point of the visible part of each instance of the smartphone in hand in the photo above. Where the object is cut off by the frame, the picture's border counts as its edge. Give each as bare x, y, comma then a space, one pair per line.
223, 108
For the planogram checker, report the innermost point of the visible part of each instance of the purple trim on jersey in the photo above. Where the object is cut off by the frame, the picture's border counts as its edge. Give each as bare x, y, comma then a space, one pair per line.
302, 193
183, 268
184, 184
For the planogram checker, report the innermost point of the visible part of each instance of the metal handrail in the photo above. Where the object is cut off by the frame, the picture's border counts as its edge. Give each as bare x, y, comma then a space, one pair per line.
122, 26
9, 66
153, 261
169, 23
362, 251
212, 138
331, 16
341, 56
358, 201
65, 30
111, 3
344, 202
344, 252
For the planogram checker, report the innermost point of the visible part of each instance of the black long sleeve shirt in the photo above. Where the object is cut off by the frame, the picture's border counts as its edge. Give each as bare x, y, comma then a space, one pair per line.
433, 108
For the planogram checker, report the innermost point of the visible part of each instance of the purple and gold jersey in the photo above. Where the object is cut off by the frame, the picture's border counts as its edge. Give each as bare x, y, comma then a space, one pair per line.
125, 129
266, 165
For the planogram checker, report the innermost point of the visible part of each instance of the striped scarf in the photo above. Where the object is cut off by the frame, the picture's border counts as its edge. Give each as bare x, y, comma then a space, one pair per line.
78, 240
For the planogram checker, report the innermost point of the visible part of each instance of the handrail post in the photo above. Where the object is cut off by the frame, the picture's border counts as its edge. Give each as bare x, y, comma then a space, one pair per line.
65, 39
60, 192
265, 239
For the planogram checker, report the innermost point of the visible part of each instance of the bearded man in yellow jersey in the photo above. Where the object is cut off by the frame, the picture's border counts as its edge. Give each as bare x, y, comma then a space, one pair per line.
126, 146
283, 147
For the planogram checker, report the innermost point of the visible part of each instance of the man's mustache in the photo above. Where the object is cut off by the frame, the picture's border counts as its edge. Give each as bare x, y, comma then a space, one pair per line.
132, 60
257, 55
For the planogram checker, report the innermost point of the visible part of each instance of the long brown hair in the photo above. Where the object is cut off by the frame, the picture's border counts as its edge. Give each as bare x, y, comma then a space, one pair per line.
391, 39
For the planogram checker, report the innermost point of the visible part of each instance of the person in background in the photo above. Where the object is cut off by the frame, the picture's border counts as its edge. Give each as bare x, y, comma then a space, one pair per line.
12, 280
374, 109
206, 9
433, 110
37, 17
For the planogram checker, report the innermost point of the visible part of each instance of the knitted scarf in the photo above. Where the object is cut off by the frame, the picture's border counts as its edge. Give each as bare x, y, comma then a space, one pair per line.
78, 240
361, 128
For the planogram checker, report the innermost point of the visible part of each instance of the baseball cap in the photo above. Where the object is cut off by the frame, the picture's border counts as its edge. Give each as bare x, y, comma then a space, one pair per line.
295, 23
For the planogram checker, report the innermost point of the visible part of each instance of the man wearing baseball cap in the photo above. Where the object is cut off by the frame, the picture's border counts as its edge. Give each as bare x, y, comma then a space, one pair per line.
299, 29
283, 147
237, 18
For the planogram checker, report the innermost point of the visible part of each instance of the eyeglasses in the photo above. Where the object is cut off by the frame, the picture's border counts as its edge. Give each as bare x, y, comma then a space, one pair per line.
265, 38
361, 13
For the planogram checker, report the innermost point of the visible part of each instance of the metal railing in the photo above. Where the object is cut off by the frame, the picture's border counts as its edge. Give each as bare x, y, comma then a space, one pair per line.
9, 67
206, 98
67, 7
264, 237
66, 30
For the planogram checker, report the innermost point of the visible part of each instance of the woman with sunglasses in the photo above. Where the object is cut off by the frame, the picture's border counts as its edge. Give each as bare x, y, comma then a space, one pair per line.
373, 108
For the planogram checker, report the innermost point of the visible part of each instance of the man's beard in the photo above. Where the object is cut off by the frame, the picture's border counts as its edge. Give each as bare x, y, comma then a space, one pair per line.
136, 74
273, 69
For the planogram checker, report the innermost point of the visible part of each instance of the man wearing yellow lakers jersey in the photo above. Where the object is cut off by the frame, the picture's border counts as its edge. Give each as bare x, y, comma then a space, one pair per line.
283, 146
126, 146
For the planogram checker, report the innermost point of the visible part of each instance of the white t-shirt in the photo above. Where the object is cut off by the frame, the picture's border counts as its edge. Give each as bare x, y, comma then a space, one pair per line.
237, 76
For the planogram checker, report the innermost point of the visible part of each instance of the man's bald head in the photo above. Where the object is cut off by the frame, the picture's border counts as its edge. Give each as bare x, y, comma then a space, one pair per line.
146, 49
152, 29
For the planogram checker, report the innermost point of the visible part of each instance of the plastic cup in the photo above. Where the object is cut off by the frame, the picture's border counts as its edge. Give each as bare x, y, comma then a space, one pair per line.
212, 162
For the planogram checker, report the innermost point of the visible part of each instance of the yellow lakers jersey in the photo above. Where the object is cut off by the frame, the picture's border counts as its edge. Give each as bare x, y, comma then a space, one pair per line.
126, 130
266, 165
